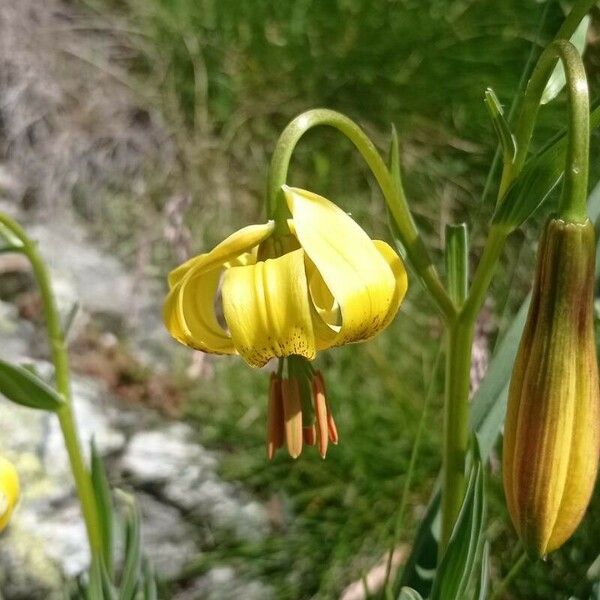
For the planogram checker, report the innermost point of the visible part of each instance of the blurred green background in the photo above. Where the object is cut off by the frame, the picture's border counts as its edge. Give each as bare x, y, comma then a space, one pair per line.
225, 76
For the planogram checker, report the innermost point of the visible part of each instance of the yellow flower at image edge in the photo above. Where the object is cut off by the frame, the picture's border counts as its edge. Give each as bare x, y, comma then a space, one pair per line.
9, 491
325, 284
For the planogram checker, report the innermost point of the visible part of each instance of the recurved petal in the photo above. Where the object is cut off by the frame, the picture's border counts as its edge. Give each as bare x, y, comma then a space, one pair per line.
267, 309
397, 266
361, 283
189, 312
236, 244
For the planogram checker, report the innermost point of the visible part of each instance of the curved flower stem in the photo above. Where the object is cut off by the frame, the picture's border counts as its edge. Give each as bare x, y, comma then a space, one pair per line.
392, 192
572, 206
60, 359
574, 193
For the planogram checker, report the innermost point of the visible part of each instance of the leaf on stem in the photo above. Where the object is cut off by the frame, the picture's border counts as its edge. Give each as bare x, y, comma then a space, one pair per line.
457, 262
458, 564
501, 127
531, 188
133, 555
484, 575
11, 242
407, 593
23, 387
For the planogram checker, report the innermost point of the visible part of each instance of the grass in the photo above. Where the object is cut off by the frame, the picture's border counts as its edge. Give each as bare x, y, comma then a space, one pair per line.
227, 76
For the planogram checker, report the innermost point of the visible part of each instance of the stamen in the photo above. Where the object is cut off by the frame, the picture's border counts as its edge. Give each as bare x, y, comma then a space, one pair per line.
321, 413
292, 411
331, 427
333, 433
310, 435
275, 419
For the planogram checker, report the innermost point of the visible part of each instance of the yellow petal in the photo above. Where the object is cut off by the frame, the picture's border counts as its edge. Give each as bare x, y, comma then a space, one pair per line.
267, 309
189, 312
237, 243
359, 277
399, 271
9, 491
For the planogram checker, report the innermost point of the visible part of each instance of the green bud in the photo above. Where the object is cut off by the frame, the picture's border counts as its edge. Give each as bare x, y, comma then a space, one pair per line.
552, 428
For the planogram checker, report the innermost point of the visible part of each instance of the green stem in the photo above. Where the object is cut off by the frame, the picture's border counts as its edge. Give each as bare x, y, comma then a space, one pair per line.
459, 344
392, 192
459, 340
65, 414
574, 193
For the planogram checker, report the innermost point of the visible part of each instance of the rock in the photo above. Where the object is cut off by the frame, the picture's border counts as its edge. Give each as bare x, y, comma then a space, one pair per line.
168, 539
223, 583
184, 473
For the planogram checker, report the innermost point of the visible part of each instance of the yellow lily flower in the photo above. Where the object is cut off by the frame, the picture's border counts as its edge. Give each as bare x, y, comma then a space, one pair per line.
337, 287
9, 491
323, 285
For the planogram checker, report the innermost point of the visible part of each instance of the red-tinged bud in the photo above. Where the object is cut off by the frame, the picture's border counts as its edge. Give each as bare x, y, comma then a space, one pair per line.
552, 429
275, 419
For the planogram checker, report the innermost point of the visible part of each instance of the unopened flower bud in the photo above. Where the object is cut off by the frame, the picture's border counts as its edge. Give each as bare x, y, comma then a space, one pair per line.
552, 429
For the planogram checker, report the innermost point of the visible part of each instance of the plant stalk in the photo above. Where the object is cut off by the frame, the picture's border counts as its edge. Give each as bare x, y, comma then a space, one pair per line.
60, 359
459, 340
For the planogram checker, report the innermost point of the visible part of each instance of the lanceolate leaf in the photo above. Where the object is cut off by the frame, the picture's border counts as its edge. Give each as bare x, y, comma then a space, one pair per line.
133, 556
539, 177
489, 403
150, 587
423, 556
458, 564
407, 593
505, 136
23, 387
484, 575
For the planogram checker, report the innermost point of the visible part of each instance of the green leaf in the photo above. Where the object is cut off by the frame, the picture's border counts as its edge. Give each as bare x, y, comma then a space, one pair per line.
107, 587
458, 564
488, 406
105, 506
150, 587
94, 586
70, 319
13, 243
501, 127
557, 80
484, 575
407, 593
457, 262
423, 556
131, 571
23, 387
539, 177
